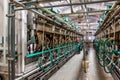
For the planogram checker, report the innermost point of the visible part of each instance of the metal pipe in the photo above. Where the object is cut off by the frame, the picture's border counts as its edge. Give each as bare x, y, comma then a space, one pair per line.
27, 74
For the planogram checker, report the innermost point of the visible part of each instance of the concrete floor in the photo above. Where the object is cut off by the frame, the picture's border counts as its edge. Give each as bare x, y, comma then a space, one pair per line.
73, 70
70, 70
94, 72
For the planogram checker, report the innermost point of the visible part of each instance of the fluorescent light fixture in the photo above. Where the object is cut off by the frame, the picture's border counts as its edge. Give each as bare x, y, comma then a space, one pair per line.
87, 20
41, 5
89, 38
68, 1
85, 10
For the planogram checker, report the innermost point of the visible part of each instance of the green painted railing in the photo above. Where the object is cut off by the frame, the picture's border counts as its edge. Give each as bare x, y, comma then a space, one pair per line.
43, 52
67, 50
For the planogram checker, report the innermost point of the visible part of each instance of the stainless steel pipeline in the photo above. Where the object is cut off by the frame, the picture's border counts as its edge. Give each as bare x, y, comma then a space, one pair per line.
31, 72
27, 74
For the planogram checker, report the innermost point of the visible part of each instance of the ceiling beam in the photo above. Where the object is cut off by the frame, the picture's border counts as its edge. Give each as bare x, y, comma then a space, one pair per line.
89, 29
86, 24
81, 13
82, 3
40, 1
71, 6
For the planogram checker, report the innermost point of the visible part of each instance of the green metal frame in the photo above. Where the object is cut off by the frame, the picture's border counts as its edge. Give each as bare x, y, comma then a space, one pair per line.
68, 49
104, 56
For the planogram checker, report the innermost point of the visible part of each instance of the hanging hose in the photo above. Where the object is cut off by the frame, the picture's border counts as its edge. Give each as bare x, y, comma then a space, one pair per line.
102, 51
51, 62
104, 56
100, 54
109, 68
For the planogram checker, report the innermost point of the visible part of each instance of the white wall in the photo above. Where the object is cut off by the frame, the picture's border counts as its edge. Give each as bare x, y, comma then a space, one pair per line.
1, 17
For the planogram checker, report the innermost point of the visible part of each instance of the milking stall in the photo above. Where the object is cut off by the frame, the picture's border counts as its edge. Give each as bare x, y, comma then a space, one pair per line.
59, 39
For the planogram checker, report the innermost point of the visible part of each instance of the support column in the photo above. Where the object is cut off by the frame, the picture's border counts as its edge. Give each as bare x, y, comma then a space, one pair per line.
11, 41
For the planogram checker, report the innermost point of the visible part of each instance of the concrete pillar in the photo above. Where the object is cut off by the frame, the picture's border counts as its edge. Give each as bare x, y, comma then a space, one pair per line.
5, 24
1, 16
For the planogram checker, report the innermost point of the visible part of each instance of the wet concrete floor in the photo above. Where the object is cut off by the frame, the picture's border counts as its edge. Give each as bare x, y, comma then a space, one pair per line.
94, 72
73, 69
70, 70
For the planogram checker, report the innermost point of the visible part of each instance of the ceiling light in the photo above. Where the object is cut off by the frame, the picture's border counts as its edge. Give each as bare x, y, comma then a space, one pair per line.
85, 10
87, 20
41, 5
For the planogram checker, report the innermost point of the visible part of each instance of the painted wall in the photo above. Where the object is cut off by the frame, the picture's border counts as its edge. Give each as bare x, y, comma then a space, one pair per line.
1, 17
